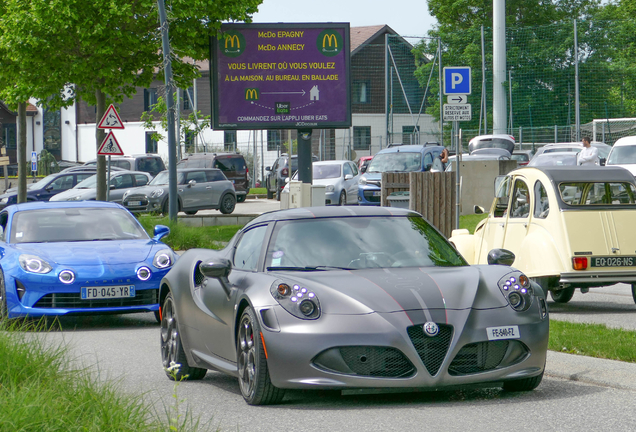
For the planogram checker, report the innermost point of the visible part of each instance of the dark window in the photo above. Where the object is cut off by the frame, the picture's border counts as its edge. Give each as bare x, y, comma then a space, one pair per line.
9, 136
361, 137
150, 98
151, 144
215, 175
361, 93
141, 179
274, 139
520, 205
229, 140
121, 163
410, 135
541, 201
249, 248
233, 163
186, 105
428, 160
198, 176
122, 181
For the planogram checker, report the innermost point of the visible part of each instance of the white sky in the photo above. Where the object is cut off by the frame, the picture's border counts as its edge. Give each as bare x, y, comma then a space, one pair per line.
406, 17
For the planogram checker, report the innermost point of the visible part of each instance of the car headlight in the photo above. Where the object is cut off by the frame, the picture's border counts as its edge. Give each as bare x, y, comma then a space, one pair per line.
34, 264
144, 273
329, 188
517, 290
4, 200
362, 181
163, 259
125, 194
156, 193
296, 299
75, 198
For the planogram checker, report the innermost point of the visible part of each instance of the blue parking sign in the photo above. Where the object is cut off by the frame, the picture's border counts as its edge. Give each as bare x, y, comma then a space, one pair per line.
457, 80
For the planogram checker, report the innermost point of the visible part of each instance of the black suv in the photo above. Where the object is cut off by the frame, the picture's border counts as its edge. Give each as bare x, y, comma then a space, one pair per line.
277, 173
232, 164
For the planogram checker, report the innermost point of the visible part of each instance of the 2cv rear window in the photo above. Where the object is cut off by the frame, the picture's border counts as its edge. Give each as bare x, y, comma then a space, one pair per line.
598, 193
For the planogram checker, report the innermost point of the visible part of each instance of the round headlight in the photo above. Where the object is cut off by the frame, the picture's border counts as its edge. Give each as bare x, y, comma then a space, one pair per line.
515, 300
362, 181
329, 188
156, 193
163, 259
67, 277
143, 273
307, 307
34, 264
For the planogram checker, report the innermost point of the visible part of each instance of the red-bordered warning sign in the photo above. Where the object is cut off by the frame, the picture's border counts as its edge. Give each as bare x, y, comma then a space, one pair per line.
110, 146
111, 119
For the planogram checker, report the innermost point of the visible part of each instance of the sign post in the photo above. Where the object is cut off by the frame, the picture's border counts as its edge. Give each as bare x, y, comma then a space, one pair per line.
110, 146
457, 86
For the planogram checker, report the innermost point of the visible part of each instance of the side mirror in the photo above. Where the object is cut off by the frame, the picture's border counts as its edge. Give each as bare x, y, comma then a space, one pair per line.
602, 161
268, 168
363, 169
501, 257
192, 183
220, 270
428, 167
348, 177
160, 232
479, 209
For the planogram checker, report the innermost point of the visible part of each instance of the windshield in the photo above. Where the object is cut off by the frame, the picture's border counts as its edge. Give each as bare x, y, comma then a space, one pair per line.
75, 224
40, 184
162, 179
398, 161
597, 193
91, 182
360, 242
621, 155
553, 159
326, 171
520, 157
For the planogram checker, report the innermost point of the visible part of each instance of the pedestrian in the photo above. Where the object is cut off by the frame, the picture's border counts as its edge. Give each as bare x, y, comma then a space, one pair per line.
443, 157
589, 155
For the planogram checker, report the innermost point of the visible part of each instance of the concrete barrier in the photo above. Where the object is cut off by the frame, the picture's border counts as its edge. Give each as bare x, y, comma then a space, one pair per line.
214, 220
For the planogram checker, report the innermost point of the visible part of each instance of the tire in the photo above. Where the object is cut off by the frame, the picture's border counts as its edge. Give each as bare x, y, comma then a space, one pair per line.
240, 198
4, 309
171, 346
278, 194
191, 212
270, 194
543, 283
165, 209
343, 198
562, 296
254, 382
228, 203
524, 384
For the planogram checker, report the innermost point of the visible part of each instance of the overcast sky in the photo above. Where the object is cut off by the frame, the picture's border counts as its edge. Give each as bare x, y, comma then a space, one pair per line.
406, 17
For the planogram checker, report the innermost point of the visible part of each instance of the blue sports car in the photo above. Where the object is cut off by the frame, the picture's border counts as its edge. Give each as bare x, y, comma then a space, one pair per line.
59, 258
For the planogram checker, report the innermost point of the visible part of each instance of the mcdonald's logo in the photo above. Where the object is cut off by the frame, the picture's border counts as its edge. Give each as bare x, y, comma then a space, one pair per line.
232, 43
330, 43
251, 94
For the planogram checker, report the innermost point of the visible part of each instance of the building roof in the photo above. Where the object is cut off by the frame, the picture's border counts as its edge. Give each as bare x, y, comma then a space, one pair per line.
31, 109
361, 36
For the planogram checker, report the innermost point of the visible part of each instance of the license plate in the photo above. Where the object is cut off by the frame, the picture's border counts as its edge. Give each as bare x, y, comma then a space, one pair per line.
134, 203
377, 193
119, 291
614, 261
506, 332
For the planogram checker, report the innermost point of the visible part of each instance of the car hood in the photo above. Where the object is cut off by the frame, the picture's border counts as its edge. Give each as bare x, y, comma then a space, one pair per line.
147, 190
74, 193
373, 176
90, 253
405, 289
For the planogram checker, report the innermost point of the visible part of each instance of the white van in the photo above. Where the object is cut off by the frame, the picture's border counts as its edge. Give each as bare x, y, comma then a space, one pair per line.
623, 154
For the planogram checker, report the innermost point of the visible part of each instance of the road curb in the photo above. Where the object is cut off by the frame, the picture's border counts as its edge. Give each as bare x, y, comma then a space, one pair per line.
591, 370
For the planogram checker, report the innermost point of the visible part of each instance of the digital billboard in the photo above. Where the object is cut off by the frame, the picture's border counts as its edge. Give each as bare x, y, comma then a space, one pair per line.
281, 76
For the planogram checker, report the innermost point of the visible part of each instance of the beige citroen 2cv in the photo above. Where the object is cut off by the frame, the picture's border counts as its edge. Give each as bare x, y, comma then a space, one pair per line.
568, 227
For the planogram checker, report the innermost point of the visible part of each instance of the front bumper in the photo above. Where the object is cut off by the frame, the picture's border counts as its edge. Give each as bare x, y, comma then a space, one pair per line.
369, 194
142, 204
296, 349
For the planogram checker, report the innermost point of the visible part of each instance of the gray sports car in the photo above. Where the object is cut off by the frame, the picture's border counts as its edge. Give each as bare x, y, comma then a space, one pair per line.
350, 297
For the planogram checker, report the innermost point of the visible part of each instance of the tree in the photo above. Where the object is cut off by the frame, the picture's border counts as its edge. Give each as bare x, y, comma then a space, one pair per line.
105, 49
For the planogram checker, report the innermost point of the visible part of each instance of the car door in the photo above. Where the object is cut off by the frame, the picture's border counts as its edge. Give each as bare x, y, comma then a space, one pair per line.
57, 185
491, 234
350, 185
518, 221
195, 193
217, 327
119, 184
216, 185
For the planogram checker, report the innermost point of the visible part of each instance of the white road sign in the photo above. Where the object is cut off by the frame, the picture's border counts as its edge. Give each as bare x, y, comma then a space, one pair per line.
455, 112
457, 99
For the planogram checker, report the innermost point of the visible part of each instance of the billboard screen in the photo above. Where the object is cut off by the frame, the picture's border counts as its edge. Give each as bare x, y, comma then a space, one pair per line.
281, 76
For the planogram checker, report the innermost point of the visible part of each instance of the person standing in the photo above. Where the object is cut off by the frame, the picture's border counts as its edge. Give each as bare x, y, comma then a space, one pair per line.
589, 155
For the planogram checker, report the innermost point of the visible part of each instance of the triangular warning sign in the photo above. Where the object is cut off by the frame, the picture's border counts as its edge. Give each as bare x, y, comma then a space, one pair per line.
110, 146
111, 119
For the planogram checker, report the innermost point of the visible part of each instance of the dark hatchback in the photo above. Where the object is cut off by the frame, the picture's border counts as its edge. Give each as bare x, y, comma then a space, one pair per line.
44, 189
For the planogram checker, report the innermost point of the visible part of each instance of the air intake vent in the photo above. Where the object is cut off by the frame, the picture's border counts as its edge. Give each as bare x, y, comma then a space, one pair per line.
432, 350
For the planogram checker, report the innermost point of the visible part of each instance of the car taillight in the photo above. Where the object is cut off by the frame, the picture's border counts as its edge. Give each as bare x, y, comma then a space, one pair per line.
285, 172
579, 263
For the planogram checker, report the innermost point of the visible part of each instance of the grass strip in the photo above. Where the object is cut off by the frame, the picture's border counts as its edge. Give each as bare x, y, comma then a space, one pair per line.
257, 191
183, 237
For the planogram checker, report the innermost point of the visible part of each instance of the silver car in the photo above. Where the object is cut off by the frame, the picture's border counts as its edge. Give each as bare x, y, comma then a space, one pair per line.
340, 178
120, 182
198, 189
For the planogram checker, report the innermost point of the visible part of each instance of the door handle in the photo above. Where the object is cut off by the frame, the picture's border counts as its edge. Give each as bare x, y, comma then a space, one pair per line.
208, 187
501, 225
525, 224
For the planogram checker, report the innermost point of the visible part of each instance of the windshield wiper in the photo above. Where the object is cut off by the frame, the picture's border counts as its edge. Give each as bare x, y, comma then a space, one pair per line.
308, 268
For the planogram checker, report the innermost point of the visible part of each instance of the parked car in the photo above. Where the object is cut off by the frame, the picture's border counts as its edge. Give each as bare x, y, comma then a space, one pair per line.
603, 149
363, 163
277, 173
501, 141
557, 158
120, 182
569, 227
68, 258
623, 154
397, 158
89, 168
150, 163
233, 166
522, 156
45, 188
452, 160
340, 178
352, 297
198, 189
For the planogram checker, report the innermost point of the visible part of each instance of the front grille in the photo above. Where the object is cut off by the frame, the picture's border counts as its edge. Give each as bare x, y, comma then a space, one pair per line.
198, 276
74, 300
478, 357
139, 198
432, 350
368, 195
377, 361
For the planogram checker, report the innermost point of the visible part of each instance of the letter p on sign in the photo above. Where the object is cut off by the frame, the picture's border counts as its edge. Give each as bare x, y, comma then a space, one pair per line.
457, 80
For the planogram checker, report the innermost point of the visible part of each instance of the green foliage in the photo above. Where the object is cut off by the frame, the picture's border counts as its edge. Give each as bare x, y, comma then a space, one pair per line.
594, 340
470, 222
183, 237
257, 191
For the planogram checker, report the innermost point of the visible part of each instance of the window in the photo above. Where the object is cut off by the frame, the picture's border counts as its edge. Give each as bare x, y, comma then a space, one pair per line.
361, 92
122, 181
502, 186
215, 175
274, 139
151, 143
150, 98
9, 135
428, 161
229, 140
410, 134
187, 105
62, 183
141, 179
198, 176
354, 168
361, 137
248, 250
541, 204
520, 205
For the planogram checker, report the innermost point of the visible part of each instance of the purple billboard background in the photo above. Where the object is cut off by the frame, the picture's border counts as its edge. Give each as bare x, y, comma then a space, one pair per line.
295, 84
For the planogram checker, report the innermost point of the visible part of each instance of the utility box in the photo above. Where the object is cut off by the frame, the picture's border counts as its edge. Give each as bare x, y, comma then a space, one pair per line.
299, 194
318, 195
